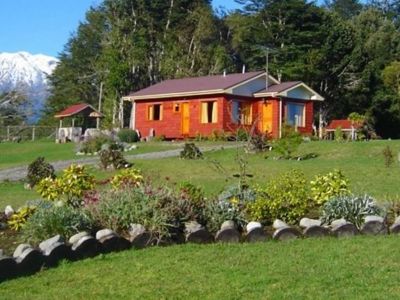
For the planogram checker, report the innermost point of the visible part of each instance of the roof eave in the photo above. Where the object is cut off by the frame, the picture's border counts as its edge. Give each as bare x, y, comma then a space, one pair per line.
173, 95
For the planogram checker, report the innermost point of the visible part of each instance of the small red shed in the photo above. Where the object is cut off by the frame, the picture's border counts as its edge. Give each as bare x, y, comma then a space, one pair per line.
186, 107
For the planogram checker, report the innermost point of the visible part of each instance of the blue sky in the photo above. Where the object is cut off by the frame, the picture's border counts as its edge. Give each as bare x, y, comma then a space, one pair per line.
44, 26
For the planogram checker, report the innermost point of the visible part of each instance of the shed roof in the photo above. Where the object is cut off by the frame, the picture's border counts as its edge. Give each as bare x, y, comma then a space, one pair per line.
203, 84
75, 109
343, 124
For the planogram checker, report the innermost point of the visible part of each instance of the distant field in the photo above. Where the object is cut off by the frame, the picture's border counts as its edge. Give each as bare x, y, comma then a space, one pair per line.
355, 268
361, 162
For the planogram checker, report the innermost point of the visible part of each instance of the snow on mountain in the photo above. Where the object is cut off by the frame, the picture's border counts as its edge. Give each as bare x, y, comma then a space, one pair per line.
27, 73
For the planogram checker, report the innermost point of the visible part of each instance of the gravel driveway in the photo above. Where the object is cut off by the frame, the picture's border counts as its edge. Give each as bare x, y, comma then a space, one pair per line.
18, 173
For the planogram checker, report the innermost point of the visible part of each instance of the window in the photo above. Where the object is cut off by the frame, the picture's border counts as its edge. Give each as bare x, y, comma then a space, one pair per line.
177, 107
242, 113
209, 112
295, 114
155, 112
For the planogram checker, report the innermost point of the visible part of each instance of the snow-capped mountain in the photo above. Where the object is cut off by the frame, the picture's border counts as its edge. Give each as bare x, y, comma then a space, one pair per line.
27, 73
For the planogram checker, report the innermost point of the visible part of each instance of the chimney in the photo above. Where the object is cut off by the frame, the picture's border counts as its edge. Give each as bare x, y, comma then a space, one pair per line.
244, 69
224, 72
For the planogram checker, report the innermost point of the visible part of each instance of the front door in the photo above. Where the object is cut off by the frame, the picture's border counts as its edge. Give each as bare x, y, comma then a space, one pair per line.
185, 118
267, 117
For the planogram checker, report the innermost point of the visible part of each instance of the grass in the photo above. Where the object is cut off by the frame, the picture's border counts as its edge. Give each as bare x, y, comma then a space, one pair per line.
356, 268
18, 154
361, 162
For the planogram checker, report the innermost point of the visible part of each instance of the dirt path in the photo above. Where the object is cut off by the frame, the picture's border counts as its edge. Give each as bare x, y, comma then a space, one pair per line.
18, 173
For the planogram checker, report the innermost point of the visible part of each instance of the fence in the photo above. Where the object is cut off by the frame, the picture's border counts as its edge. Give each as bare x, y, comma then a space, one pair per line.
27, 133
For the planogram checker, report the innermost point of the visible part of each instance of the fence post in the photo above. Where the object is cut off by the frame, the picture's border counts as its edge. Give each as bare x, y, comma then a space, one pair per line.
8, 133
33, 133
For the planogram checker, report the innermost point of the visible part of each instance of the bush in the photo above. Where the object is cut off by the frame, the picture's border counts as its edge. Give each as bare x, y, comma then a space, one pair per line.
285, 198
128, 136
94, 144
352, 208
112, 156
49, 220
242, 135
38, 170
288, 143
127, 178
325, 187
191, 151
191, 192
18, 220
339, 134
118, 209
69, 187
218, 211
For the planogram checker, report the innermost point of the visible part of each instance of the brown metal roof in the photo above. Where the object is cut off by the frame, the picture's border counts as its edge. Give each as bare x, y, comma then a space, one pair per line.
278, 88
74, 109
196, 84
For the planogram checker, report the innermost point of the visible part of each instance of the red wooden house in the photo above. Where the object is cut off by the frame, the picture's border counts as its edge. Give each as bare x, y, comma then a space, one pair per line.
186, 107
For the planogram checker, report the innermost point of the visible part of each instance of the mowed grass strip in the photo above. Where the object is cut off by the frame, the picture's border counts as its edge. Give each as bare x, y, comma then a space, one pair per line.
19, 154
354, 268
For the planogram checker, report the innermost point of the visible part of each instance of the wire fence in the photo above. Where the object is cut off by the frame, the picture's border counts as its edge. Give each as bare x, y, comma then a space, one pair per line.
26, 133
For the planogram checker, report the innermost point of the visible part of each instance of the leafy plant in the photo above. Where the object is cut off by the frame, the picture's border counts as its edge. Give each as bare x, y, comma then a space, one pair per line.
69, 187
117, 209
112, 156
218, 211
339, 134
94, 144
191, 151
191, 192
352, 208
18, 220
288, 143
325, 187
388, 156
49, 220
38, 170
285, 197
127, 178
128, 135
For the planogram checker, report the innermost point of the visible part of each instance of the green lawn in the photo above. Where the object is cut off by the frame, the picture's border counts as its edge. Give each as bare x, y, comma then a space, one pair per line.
17, 154
361, 162
356, 268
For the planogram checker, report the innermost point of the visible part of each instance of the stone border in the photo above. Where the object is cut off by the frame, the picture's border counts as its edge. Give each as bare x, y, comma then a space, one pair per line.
28, 260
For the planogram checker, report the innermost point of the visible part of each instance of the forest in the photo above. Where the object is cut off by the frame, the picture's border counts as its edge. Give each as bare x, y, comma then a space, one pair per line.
347, 50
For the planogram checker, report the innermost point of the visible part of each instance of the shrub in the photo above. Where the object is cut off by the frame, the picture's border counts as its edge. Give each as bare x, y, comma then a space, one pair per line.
18, 220
69, 187
339, 134
50, 220
117, 209
38, 170
288, 143
191, 192
285, 198
112, 156
128, 136
257, 143
127, 178
94, 144
218, 211
351, 208
388, 156
191, 151
242, 135
325, 187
